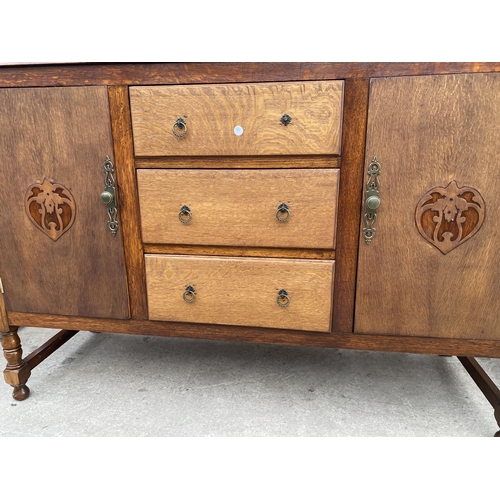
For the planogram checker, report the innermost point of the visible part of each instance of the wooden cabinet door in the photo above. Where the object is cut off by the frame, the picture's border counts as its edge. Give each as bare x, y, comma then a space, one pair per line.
57, 254
433, 266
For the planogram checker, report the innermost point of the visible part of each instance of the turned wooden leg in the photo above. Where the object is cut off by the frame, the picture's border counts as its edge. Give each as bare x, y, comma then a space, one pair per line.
17, 371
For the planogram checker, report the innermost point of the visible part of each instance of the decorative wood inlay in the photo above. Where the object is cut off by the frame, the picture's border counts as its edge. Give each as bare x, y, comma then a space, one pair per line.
448, 216
51, 207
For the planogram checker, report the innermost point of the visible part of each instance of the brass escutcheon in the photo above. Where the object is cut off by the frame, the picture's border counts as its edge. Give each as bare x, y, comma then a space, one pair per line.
372, 200
285, 119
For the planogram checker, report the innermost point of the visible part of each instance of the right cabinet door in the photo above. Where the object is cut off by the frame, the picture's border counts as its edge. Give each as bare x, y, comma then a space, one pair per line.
432, 267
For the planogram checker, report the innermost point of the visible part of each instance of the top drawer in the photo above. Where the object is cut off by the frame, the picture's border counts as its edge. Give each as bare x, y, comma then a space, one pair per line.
243, 119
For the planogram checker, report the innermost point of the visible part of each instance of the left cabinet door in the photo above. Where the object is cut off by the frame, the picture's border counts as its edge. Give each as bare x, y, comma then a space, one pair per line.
57, 253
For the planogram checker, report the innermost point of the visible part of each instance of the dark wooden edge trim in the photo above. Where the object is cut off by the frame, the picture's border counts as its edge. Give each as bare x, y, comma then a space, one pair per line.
238, 162
128, 199
44, 351
349, 205
191, 73
4, 324
283, 253
388, 343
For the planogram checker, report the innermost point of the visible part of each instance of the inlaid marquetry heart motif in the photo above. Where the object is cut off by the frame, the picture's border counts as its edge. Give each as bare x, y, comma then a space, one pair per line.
51, 207
448, 216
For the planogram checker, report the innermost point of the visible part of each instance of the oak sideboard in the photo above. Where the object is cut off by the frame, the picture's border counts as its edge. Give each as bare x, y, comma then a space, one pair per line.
345, 205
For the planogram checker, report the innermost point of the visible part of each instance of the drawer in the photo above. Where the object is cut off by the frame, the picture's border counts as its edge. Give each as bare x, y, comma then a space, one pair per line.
239, 207
243, 119
241, 291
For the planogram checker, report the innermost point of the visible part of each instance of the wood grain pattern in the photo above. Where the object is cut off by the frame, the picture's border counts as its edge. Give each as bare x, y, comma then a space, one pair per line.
241, 291
128, 199
282, 253
62, 134
427, 132
239, 162
4, 324
238, 207
186, 73
378, 342
212, 112
350, 190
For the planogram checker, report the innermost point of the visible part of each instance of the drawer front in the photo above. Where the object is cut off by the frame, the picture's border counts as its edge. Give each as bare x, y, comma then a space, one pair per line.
239, 207
241, 291
243, 119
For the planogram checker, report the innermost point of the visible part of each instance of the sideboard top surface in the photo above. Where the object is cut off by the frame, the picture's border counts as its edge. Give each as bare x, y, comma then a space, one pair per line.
67, 74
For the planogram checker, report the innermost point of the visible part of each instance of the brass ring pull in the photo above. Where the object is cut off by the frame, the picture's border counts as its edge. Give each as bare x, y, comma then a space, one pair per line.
189, 295
185, 212
283, 208
181, 125
283, 300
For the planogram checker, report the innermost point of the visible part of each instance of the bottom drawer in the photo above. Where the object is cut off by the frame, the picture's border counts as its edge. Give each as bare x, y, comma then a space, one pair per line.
241, 291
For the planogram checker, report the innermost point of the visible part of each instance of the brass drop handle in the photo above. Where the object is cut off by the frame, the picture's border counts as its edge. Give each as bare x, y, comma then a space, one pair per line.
283, 300
185, 215
283, 209
189, 294
181, 125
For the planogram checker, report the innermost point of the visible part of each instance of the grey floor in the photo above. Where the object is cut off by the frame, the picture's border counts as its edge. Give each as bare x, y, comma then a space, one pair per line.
101, 384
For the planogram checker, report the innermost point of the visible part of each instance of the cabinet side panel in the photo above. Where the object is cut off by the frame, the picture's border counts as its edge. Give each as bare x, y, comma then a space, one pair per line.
53, 143
429, 133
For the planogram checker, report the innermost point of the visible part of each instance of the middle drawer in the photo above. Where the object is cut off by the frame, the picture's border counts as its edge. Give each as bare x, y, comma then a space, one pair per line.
263, 208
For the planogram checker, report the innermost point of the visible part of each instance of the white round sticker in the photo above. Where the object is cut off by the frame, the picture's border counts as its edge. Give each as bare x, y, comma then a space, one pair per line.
238, 130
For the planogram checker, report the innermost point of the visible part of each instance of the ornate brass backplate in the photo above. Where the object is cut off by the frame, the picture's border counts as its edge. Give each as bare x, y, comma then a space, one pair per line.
51, 207
448, 216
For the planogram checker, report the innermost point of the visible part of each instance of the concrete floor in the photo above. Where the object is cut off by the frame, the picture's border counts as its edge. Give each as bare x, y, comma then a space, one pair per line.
102, 384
